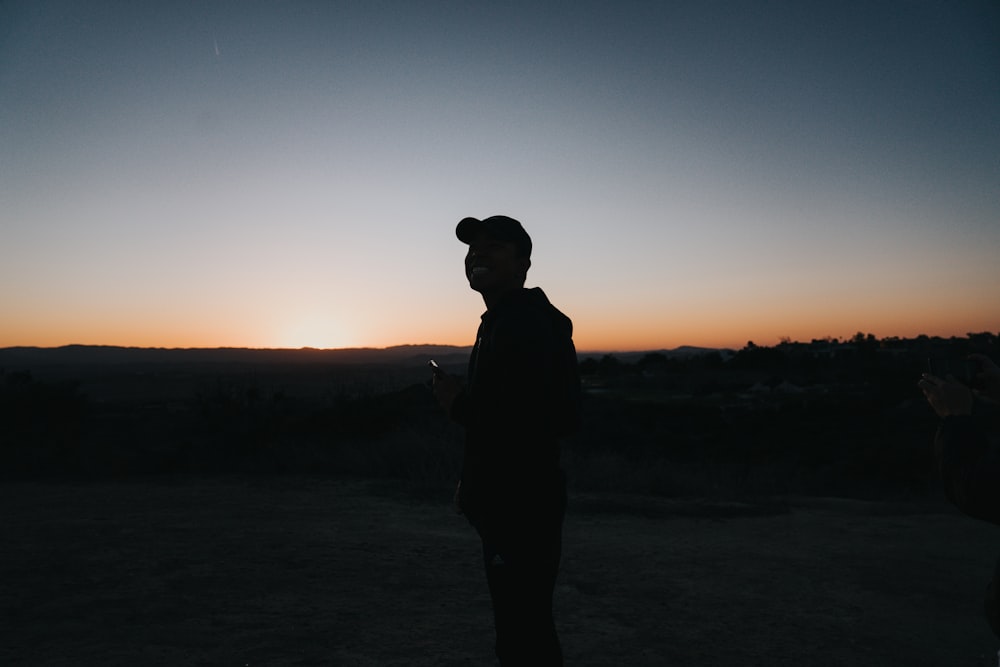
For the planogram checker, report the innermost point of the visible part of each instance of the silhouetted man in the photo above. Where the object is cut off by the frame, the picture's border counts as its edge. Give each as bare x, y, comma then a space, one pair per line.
968, 454
522, 396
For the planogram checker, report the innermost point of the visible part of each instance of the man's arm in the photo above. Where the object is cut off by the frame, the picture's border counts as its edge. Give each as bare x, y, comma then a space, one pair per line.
447, 390
970, 467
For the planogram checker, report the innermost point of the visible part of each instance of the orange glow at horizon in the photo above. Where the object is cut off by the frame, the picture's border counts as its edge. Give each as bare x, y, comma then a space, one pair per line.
591, 333
273, 193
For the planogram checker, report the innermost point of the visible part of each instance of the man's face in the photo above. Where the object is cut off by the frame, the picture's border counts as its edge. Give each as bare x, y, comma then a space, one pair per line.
493, 266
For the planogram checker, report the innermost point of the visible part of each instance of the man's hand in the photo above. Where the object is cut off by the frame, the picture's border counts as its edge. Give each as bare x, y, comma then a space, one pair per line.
446, 388
987, 380
948, 397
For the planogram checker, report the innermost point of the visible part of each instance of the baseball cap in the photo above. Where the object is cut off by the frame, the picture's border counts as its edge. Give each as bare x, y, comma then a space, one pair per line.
499, 227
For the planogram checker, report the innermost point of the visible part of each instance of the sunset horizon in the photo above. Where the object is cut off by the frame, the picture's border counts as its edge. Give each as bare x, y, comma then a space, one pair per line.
287, 175
233, 235
582, 348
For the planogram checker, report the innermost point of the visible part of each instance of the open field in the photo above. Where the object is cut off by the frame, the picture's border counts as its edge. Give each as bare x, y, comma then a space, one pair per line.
197, 509
295, 570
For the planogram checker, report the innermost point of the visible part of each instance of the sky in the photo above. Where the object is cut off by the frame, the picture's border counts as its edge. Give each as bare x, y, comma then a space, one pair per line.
290, 173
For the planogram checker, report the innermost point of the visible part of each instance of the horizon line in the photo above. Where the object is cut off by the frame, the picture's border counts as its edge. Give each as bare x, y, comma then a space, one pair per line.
373, 348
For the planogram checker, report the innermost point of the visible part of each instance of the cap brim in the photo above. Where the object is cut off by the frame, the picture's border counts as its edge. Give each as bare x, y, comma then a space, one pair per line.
468, 229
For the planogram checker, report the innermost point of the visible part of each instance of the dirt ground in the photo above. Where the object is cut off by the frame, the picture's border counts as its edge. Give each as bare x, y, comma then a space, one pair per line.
303, 571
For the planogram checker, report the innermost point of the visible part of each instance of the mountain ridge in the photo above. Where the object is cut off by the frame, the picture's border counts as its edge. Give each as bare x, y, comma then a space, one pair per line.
406, 354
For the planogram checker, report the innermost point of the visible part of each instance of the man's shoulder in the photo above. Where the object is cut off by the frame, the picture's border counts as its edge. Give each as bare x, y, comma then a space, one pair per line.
531, 312
561, 320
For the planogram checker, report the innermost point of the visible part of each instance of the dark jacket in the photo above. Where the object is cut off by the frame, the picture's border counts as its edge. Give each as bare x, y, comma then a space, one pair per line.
521, 397
969, 464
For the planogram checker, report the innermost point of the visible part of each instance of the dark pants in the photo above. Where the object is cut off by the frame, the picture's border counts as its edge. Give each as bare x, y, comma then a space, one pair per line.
521, 563
992, 601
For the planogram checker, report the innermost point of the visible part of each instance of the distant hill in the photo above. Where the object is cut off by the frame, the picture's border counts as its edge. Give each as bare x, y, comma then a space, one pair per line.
73, 355
109, 355
632, 357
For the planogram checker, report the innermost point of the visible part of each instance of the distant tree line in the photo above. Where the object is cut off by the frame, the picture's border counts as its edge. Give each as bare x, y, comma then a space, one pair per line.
830, 417
833, 417
827, 357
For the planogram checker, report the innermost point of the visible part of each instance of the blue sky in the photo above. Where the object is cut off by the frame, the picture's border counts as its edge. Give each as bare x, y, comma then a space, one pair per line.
280, 174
